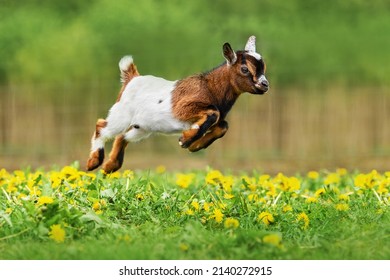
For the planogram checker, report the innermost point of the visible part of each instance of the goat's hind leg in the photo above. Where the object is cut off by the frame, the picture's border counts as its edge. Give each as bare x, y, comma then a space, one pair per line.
115, 161
96, 156
116, 156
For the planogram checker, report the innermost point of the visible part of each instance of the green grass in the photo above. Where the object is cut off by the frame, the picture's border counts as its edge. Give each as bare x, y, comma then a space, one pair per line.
203, 214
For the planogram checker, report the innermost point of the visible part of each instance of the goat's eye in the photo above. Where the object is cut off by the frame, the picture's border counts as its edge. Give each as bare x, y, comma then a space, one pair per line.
244, 70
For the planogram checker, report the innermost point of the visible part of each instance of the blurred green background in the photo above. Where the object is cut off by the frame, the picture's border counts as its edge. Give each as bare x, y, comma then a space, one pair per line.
327, 63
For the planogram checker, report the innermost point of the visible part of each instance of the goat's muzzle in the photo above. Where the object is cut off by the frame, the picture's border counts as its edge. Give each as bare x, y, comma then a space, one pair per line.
262, 84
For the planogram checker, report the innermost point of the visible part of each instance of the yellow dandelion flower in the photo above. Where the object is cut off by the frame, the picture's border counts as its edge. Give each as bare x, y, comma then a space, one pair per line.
206, 206
114, 175
253, 197
264, 178
11, 188
311, 200
96, 206
382, 189
214, 177
287, 208
332, 178
45, 200
228, 196
313, 175
251, 187
360, 180
90, 175
344, 197
281, 181
8, 210
55, 179
189, 212
195, 205
128, 174
57, 233
3, 173
273, 239
184, 180
68, 171
139, 196
271, 189
249, 183
231, 223
342, 207
266, 218
303, 217
367, 181
19, 174
293, 184
217, 215
319, 192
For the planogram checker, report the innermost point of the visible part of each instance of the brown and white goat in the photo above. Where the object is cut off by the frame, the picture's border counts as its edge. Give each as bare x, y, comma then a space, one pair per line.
195, 106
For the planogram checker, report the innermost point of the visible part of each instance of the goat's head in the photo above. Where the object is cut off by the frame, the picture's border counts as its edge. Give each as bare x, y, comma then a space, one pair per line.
247, 68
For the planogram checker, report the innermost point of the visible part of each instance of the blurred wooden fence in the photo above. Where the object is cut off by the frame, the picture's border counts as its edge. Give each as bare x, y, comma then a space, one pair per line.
285, 130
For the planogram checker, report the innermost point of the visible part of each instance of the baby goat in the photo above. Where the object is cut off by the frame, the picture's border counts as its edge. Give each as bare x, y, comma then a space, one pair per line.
195, 106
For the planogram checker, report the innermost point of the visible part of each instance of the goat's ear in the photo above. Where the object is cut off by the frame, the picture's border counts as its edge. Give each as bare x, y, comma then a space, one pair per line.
251, 44
229, 54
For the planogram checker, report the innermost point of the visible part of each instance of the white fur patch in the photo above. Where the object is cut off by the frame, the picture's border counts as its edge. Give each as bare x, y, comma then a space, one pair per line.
255, 55
250, 47
195, 126
125, 62
96, 144
251, 44
262, 78
146, 102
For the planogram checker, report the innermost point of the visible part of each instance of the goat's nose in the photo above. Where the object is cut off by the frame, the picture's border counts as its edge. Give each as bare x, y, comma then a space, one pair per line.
264, 83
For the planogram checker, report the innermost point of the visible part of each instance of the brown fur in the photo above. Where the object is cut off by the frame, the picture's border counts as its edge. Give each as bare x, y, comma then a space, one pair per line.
115, 160
96, 157
193, 95
197, 97
217, 131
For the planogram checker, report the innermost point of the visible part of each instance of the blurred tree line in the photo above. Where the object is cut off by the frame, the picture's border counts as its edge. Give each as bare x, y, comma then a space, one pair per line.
304, 42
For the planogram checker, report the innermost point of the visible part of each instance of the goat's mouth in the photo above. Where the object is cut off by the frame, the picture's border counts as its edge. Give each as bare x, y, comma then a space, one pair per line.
261, 88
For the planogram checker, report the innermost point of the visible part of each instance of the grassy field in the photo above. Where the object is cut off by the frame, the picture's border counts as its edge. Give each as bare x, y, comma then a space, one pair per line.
204, 214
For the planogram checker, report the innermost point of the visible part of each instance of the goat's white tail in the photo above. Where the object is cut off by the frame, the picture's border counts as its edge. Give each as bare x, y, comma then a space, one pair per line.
128, 69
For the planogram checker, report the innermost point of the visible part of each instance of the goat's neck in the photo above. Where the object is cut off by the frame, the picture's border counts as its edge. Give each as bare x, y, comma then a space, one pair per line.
220, 85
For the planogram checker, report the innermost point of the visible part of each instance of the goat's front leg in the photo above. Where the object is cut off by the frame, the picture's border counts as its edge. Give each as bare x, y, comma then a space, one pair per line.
217, 131
207, 119
96, 156
116, 156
